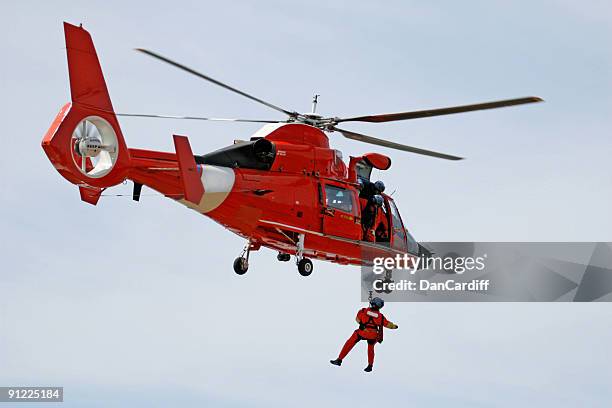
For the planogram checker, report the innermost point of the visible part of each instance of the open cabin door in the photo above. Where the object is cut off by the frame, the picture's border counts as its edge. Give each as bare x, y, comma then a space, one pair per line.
340, 211
397, 233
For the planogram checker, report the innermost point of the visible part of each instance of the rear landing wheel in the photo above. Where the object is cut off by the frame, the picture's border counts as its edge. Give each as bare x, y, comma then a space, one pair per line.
241, 265
305, 266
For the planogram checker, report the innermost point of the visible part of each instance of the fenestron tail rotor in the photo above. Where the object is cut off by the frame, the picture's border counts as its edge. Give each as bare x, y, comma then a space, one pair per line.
328, 124
95, 146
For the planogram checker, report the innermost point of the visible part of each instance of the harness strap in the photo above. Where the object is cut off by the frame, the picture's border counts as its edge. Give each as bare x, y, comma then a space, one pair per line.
370, 324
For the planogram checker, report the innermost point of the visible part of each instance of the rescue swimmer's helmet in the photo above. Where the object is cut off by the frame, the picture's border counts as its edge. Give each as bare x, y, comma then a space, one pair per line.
377, 303
380, 186
377, 200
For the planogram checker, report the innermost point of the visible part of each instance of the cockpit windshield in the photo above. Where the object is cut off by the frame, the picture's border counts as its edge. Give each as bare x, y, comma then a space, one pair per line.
399, 233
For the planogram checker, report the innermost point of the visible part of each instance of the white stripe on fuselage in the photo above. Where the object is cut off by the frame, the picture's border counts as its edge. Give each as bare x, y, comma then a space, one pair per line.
218, 182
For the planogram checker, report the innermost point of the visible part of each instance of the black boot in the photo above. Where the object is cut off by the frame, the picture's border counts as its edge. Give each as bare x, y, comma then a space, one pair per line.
368, 368
337, 361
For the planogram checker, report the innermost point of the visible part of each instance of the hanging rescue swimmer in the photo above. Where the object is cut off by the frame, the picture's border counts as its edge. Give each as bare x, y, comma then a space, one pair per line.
371, 323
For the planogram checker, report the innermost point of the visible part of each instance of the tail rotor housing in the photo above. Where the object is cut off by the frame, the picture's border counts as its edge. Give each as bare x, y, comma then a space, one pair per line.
84, 142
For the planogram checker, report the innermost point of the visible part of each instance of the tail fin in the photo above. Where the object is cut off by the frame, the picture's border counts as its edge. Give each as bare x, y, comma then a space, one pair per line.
87, 85
84, 142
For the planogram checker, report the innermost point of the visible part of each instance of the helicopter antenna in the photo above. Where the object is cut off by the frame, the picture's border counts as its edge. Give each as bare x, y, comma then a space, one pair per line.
315, 100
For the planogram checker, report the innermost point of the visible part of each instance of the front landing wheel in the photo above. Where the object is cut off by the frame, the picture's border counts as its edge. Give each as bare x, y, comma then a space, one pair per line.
241, 265
305, 267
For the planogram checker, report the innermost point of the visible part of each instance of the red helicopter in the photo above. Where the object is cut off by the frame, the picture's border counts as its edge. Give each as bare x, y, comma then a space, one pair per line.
284, 188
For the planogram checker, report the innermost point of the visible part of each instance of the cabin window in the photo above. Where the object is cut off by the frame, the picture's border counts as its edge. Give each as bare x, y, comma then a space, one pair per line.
339, 198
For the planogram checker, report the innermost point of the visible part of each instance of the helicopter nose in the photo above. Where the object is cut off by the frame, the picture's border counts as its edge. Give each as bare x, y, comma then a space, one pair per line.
218, 182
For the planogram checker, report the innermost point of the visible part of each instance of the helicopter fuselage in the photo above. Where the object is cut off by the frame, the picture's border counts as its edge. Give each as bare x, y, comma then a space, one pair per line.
275, 190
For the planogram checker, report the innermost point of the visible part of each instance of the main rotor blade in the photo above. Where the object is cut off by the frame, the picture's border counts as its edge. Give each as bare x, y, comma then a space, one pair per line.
392, 145
214, 81
389, 117
146, 115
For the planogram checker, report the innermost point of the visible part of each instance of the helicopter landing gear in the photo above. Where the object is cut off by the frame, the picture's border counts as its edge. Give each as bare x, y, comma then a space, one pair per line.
282, 257
241, 264
304, 264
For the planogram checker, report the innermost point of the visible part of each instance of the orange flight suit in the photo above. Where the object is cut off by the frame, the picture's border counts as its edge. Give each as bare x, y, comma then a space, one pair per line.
371, 323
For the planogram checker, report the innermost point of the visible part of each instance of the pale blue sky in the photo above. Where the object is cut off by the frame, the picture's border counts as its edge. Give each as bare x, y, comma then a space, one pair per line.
135, 304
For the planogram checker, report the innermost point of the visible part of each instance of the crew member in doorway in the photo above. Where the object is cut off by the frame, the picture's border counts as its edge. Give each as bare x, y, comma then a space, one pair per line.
369, 216
371, 323
369, 189
371, 201
381, 225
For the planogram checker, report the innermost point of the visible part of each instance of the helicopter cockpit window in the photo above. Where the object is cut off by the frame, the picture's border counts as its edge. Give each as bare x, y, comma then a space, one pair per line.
395, 217
339, 198
399, 233
413, 245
